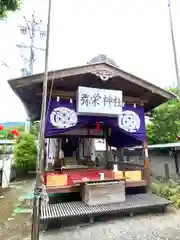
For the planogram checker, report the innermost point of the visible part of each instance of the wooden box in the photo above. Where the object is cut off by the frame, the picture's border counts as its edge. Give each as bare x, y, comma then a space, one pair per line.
98, 193
56, 180
133, 175
117, 175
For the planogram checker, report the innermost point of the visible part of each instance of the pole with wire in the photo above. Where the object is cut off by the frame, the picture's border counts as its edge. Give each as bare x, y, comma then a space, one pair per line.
39, 184
30, 28
174, 46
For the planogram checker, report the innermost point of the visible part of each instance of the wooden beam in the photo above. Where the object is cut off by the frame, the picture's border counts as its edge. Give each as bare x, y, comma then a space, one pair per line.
72, 95
77, 187
90, 68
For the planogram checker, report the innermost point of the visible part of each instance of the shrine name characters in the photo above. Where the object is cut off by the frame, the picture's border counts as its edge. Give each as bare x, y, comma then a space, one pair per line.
96, 99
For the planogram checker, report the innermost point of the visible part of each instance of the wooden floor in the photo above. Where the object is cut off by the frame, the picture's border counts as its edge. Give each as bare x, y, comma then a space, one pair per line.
133, 204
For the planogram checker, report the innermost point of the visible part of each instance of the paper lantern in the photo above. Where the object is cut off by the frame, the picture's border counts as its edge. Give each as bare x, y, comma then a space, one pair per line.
98, 127
15, 132
1, 127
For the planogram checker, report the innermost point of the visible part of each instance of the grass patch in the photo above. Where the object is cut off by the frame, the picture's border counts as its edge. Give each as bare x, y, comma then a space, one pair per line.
167, 189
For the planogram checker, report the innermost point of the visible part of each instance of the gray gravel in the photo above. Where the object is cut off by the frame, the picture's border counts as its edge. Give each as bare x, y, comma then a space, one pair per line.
163, 226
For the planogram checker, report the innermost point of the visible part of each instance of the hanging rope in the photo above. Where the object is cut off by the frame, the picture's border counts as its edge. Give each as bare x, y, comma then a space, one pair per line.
44, 195
50, 94
48, 106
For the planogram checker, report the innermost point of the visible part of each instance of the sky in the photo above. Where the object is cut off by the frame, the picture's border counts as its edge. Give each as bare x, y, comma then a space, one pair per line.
136, 34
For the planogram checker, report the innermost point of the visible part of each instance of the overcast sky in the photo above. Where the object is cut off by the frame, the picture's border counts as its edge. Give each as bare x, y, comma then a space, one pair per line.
135, 33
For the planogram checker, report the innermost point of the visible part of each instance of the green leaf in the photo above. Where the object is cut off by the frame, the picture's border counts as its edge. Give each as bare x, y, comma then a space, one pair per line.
8, 6
165, 124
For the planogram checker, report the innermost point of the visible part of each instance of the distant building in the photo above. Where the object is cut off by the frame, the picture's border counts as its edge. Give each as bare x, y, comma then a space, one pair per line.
10, 124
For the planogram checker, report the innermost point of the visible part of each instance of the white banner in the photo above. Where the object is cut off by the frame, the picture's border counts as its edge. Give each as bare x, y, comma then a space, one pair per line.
6, 171
94, 101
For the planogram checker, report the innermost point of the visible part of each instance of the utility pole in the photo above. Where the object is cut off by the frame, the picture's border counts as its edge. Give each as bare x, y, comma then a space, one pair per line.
30, 28
174, 46
38, 190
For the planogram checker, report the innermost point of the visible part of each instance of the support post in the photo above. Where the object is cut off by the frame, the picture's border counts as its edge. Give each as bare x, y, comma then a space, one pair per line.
166, 171
106, 152
78, 150
60, 153
107, 155
175, 155
147, 175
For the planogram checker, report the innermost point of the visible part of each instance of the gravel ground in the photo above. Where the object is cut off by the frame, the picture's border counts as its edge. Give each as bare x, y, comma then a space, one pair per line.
145, 227
18, 226
162, 226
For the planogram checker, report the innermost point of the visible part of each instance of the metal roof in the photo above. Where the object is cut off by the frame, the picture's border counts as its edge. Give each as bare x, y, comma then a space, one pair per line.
162, 145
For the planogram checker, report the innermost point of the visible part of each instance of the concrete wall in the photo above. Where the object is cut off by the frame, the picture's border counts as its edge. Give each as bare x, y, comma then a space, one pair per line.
157, 162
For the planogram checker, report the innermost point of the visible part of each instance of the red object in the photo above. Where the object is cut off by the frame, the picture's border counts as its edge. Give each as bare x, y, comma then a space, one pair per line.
75, 175
1, 127
98, 127
15, 132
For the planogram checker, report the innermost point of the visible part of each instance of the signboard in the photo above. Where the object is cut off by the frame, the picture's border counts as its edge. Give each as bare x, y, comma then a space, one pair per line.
55, 180
94, 101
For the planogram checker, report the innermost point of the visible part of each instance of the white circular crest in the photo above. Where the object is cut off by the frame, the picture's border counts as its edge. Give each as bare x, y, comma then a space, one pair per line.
63, 117
129, 121
104, 75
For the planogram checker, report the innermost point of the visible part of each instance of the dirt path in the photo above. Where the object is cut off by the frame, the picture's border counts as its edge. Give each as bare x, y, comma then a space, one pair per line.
144, 227
147, 227
14, 226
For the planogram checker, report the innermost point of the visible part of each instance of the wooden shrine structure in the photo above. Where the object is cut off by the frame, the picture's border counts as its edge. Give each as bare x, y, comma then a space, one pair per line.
96, 100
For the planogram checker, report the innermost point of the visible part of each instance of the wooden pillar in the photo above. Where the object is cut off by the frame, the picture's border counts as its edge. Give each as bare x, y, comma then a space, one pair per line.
175, 155
57, 162
166, 171
107, 148
147, 175
78, 159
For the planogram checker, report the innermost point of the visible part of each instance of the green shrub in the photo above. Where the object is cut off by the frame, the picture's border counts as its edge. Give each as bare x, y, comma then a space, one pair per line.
176, 200
178, 189
177, 204
161, 189
25, 152
173, 199
169, 190
154, 187
171, 183
173, 191
166, 192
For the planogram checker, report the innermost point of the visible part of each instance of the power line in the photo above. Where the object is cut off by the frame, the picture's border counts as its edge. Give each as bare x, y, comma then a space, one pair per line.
31, 28
4, 64
174, 46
